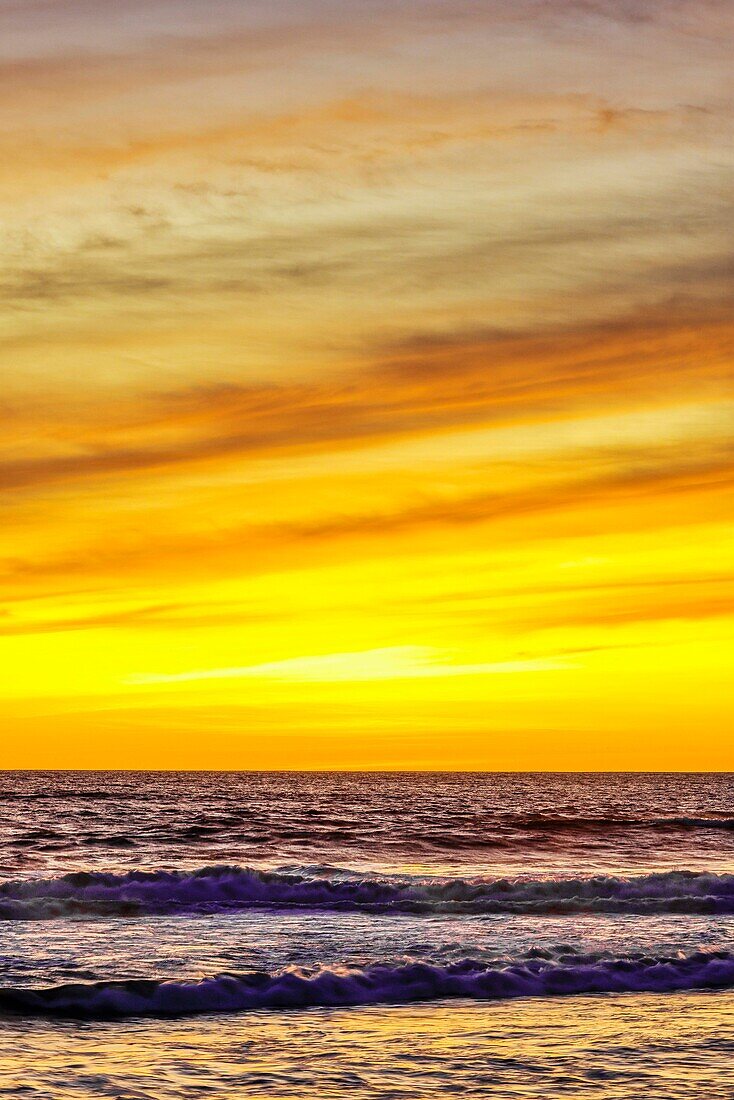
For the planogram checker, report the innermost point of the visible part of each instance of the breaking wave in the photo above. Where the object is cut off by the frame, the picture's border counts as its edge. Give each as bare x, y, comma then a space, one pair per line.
218, 888
379, 984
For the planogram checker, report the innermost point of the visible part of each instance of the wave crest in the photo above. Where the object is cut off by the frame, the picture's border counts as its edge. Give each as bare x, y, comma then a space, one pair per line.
380, 984
223, 887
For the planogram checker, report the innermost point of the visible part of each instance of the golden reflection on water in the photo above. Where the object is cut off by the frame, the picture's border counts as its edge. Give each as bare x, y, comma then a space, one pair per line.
614, 1046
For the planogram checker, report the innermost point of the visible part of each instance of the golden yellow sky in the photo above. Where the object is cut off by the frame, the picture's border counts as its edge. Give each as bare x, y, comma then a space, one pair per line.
367, 384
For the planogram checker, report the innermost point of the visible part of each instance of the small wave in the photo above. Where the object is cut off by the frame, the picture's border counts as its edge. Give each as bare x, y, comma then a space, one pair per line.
379, 984
65, 794
221, 888
539, 822
696, 822
109, 841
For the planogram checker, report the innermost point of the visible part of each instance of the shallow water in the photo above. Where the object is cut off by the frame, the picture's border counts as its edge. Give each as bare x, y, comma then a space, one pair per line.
534, 936
666, 1047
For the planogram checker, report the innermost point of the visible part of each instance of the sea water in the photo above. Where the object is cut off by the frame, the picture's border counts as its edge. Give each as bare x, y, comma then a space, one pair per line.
377, 935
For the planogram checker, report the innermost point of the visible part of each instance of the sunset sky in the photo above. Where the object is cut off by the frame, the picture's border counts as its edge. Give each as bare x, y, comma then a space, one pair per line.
367, 383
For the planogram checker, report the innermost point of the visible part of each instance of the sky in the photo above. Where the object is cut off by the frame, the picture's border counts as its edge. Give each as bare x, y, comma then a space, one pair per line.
367, 384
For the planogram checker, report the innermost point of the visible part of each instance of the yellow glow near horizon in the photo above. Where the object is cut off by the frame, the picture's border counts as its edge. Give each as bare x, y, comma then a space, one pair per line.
367, 388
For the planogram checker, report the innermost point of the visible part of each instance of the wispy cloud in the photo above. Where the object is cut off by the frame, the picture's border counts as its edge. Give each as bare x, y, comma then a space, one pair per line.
336, 330
391, 663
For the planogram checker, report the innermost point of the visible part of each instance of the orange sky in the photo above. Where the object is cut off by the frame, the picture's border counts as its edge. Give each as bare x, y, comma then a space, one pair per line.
367, 388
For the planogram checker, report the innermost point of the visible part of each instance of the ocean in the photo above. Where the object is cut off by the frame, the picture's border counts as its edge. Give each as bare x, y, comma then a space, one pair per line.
318, 935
